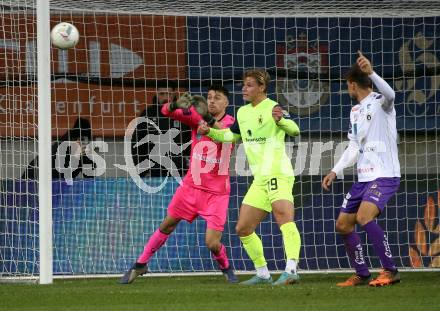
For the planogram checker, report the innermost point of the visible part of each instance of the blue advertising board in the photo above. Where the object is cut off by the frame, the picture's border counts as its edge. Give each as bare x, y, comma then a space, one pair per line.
404, 51
101, 226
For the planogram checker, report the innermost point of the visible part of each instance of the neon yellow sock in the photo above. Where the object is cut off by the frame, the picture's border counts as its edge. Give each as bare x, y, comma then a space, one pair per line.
291, 239
254, 248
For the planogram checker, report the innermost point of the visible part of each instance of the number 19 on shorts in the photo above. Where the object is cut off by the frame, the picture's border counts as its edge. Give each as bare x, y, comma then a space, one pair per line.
272, 184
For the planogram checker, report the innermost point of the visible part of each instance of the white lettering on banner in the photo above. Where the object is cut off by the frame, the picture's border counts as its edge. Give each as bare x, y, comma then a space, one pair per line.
11, 104
317, 150
301, 157
241, 165
122, 60
18, 106
60, 107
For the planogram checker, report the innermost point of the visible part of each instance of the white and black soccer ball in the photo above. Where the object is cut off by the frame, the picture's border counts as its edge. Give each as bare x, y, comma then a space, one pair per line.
64, 36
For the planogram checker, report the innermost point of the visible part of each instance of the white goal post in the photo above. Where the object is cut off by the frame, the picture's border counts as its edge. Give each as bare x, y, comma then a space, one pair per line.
74, 200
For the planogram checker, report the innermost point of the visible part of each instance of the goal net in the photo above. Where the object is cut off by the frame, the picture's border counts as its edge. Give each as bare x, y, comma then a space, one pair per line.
109, 195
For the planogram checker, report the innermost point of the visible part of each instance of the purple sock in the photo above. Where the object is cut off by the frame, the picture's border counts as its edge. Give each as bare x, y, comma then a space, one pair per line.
354, 250
380, 244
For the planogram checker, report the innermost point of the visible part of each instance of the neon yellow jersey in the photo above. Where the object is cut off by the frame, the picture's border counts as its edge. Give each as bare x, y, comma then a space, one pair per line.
263, 140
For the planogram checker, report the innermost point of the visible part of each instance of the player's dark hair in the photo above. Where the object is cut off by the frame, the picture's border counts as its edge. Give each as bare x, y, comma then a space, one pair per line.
219, 88
260, 75
166, 84
355, 74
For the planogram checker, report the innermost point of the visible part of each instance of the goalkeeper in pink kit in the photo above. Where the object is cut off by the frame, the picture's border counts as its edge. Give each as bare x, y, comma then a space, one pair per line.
205, 189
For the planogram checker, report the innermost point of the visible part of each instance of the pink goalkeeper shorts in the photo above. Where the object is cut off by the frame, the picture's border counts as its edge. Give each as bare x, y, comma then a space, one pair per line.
189, 202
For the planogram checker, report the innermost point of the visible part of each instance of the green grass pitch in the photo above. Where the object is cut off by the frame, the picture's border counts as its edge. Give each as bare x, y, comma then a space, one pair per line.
417, 291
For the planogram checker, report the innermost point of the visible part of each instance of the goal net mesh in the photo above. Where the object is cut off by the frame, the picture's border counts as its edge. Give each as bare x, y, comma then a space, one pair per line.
107, 201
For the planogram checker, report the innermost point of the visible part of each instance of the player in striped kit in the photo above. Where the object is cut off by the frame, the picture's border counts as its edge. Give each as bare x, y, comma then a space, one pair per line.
373, 144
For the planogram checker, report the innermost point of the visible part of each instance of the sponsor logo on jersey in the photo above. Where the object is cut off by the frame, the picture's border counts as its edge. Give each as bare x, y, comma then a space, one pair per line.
258, 140
368, 149
364, 170
206, 159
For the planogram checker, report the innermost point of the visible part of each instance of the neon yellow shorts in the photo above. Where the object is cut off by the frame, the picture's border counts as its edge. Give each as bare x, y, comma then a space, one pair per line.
263, 192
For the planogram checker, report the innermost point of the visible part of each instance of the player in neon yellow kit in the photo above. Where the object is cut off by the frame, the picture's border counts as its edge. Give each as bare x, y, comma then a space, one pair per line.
262, 126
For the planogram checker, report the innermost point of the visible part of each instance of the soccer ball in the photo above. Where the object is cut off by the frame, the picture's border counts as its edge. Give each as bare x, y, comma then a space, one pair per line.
64, 36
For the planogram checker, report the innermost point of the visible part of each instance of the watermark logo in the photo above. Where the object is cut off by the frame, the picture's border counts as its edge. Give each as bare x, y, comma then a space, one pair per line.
206, 156
164, 144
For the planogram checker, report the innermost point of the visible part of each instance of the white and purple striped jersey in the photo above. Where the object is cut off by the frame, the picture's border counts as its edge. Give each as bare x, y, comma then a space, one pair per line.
373, 133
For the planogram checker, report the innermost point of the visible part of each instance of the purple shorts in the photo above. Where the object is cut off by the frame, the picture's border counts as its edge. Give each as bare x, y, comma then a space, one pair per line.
377, 191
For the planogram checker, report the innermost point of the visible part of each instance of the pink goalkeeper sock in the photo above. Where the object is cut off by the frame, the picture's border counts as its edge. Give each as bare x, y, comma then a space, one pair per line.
154, 243
222, 258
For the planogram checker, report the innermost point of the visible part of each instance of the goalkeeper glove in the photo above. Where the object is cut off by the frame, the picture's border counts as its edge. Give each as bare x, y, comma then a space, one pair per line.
201, 106
184, 102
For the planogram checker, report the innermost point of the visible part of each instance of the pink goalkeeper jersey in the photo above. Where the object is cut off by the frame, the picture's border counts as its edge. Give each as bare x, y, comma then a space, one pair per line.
209, 160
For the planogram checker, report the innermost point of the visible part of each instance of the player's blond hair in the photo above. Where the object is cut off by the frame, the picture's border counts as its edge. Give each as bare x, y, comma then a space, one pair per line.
260, 75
